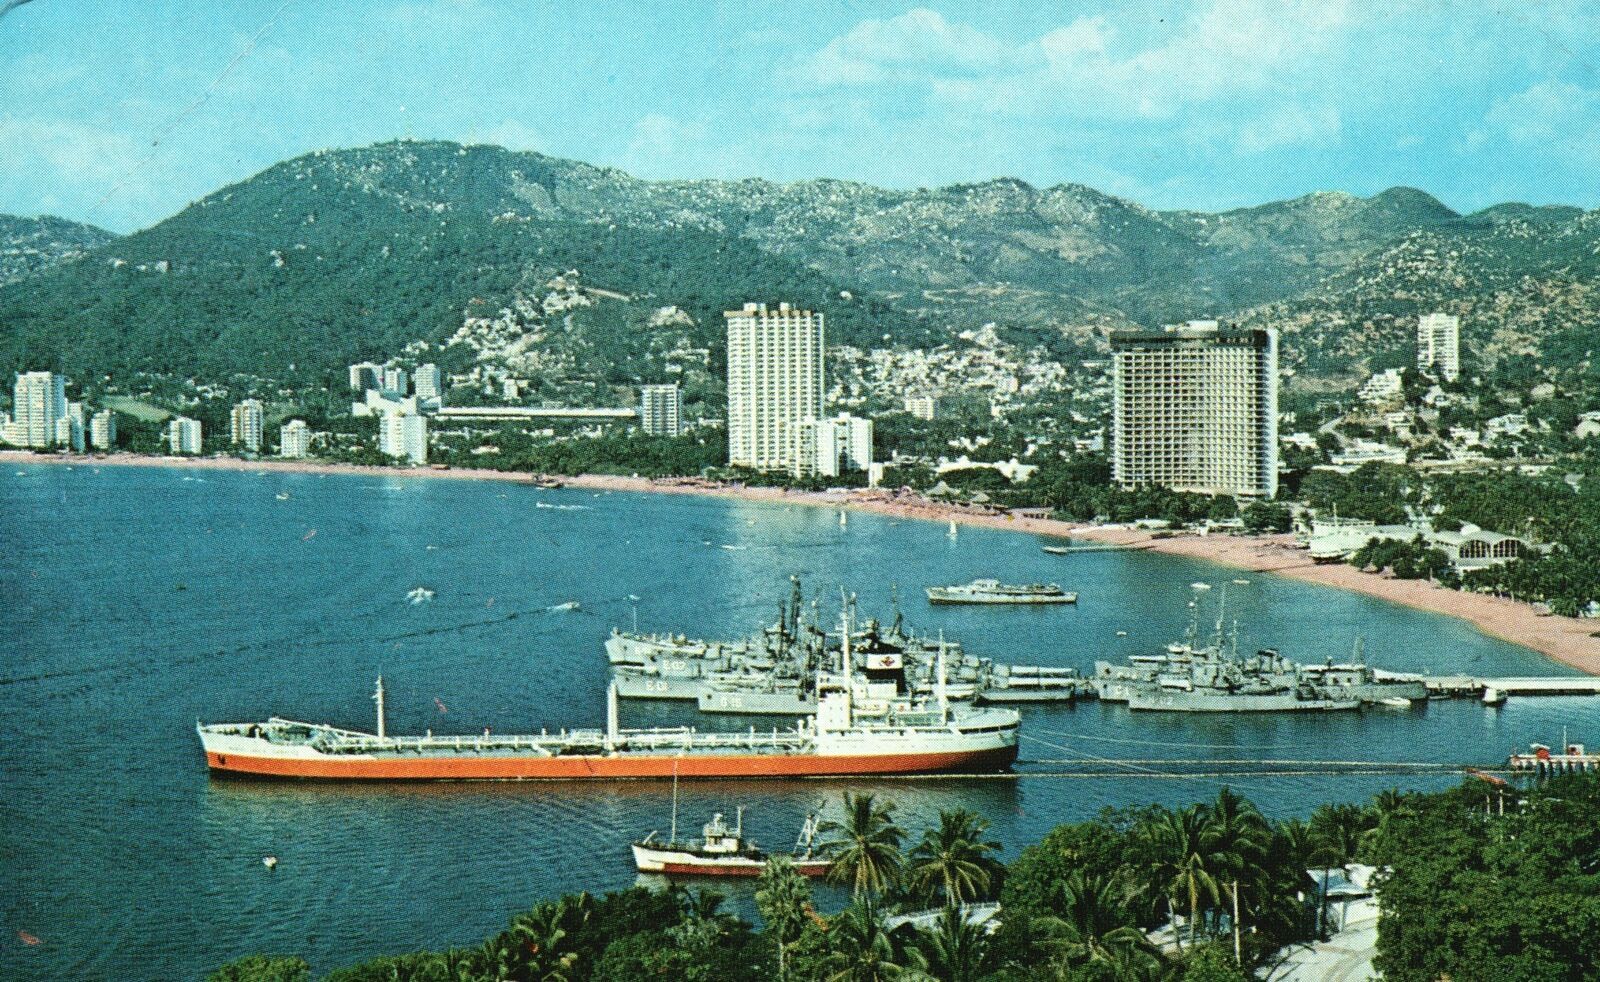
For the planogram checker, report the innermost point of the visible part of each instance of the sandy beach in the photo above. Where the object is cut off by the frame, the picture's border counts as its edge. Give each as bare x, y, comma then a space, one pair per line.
1568, 640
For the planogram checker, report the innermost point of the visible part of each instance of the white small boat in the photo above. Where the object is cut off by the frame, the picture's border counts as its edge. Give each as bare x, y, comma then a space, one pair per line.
1122, 634
1242, 582
420, 595
270, 862
1493, 696
1395, 702
952, 533
282, 496
1199, 586
843, 519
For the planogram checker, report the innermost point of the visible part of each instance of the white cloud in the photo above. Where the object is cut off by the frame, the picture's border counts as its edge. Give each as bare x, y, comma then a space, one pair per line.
83, 163
909, 46
1555, 117
1083, 69
1288, 126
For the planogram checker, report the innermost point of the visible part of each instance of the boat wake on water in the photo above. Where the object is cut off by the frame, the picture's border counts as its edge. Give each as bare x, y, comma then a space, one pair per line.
548, 506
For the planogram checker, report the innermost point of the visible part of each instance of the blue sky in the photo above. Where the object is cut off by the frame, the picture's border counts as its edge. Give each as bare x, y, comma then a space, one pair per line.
120, 112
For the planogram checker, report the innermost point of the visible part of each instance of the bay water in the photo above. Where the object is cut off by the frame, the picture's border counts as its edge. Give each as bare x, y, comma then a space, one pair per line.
137, 601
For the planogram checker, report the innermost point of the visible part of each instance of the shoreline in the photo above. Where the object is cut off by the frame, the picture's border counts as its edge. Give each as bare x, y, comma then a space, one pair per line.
1566, 640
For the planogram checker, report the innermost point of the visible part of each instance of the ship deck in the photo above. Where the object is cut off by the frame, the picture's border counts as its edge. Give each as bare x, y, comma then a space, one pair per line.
334, 741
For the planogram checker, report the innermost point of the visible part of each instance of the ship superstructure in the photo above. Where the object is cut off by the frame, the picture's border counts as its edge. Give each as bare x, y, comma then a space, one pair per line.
851, 733
990, 591
1191, 676
773, 672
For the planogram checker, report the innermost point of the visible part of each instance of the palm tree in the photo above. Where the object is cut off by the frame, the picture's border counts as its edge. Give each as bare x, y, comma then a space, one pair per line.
866, 852
953, 859
1185, 865
956, 950
864, 951
1386, 806
704, 921
1340, 828
1238, 830
1093, 923
543, 952
782, 898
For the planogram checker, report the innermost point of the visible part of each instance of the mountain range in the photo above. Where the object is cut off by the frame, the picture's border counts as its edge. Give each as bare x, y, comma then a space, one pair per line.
341, 255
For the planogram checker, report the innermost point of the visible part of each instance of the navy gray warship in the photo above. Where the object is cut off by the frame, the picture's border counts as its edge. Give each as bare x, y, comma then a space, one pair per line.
1212, 677
773, 672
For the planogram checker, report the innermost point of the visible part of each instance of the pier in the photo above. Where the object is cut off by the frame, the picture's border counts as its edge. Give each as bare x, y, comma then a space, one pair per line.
1468, 686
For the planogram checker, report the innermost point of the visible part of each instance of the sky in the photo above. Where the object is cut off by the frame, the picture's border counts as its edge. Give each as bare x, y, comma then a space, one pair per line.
121, 112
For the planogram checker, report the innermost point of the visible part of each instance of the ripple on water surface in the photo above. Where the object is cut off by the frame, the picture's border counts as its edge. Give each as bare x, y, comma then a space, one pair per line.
141, 602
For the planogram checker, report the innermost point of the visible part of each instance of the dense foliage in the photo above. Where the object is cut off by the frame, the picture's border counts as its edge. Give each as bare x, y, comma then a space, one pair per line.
1490, 883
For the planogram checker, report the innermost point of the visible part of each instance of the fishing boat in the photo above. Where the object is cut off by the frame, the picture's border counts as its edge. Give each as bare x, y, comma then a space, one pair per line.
720, 850
839, 740
995, 592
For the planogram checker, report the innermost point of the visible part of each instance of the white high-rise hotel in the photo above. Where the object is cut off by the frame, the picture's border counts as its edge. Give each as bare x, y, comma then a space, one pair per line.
1439, 345
660, 409
775, 382
1196, 409
39, 402
245, 424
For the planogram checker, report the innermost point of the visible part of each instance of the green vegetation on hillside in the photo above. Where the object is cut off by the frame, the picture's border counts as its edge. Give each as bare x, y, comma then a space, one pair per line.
342, 255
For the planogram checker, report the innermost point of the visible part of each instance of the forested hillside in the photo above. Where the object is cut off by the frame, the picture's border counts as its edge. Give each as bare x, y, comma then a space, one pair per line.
342, 254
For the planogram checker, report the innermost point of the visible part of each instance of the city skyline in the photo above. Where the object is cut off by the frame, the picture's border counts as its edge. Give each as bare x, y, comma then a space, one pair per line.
1215, 105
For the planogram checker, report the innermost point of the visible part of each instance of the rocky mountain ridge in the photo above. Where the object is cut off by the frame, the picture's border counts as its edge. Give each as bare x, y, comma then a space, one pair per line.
344, 254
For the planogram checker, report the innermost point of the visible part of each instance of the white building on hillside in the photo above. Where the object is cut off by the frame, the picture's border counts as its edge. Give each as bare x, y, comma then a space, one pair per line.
404, 437
366, 375
294, 439
921, 406
1383, 387
1439, 345
775, 382
1195, 408
394, 380
245, 424
829, 447
103, 430
39, 400
660, 409
184, 435
428, 383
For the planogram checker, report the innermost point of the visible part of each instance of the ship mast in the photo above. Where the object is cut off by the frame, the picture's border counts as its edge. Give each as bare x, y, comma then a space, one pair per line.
611, 715
674, 837
944, 700
377, 697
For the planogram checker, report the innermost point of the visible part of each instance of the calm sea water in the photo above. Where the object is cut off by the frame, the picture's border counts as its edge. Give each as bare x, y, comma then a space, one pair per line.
137, 601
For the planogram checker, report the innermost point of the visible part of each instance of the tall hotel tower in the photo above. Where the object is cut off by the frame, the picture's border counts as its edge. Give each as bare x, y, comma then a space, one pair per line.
40, 400
1196, 409
775, 382
1439, 344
